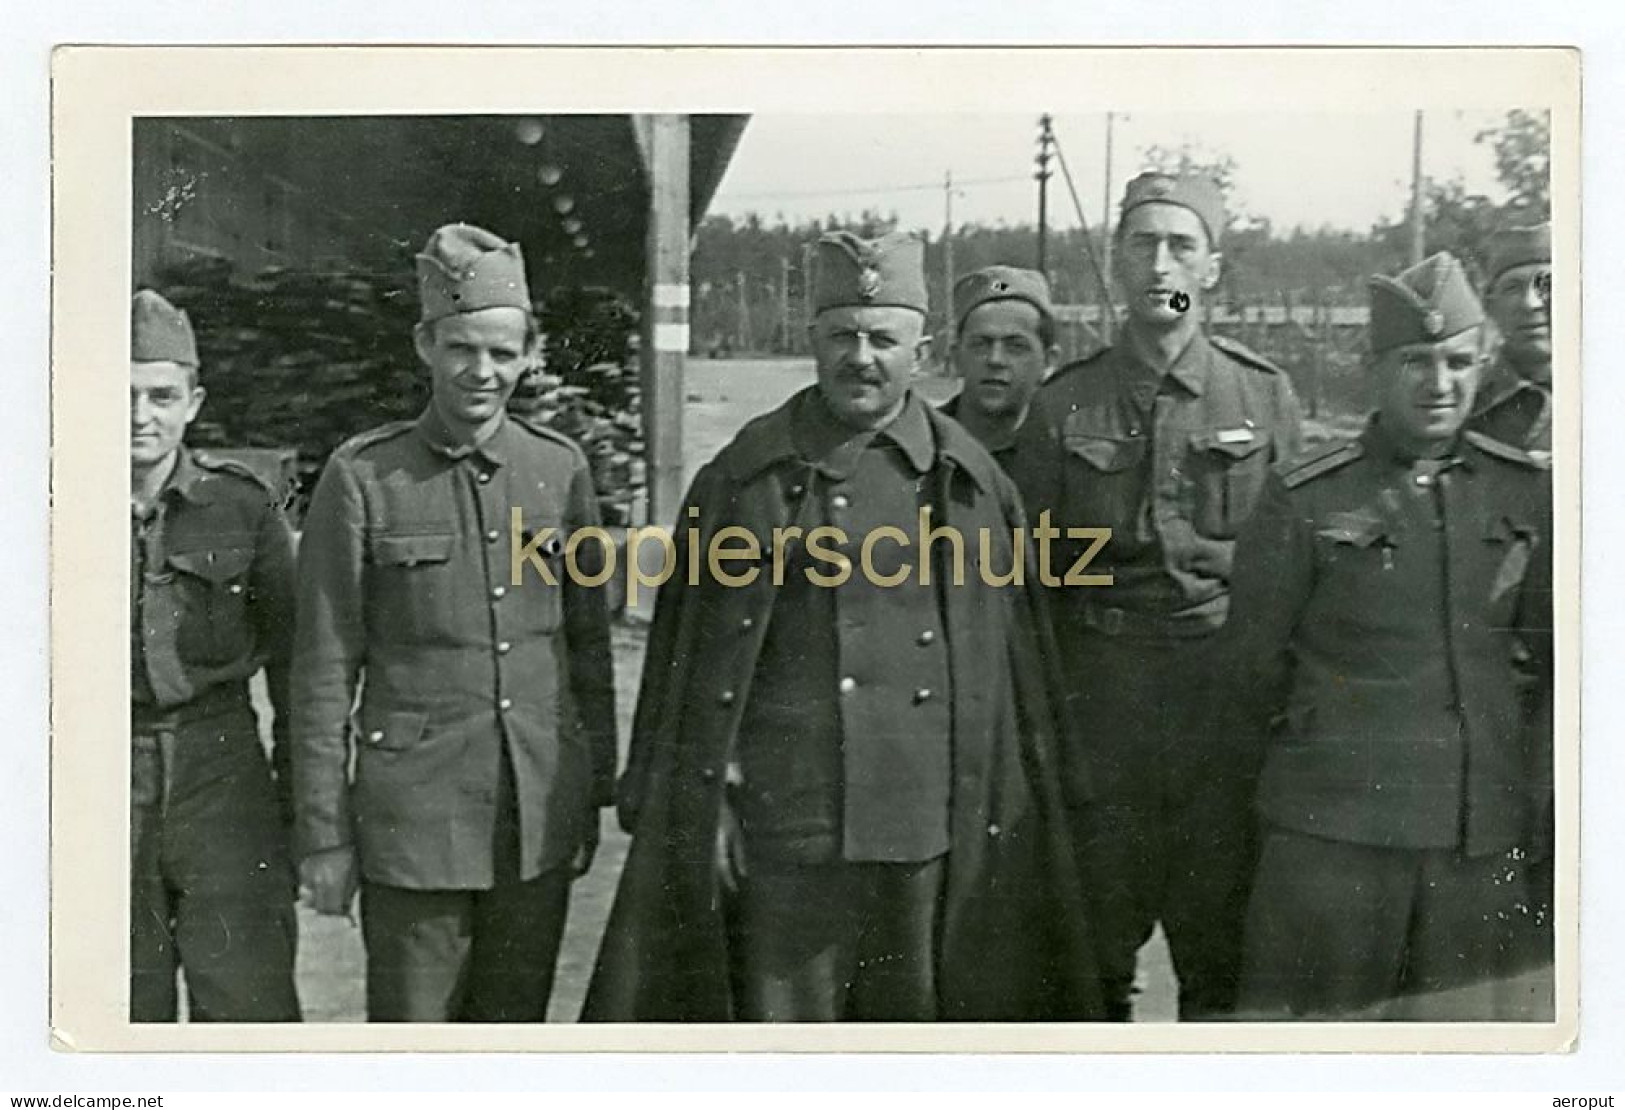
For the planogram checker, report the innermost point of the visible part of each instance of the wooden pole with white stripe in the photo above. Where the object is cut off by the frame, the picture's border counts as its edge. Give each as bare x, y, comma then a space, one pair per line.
663, 141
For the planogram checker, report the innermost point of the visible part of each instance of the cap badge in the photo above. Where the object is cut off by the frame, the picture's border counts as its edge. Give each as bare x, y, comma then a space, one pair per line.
1433, 322
1001, 286
869, 283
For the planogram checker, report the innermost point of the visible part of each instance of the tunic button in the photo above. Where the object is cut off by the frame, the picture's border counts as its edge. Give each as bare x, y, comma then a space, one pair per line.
708, 774
840, 501
236, 588
927, 638
504, 647
726, 697
993, 830
848, 684
499, 592
505, 703
797, 490
376, 736
485, 476
492, 536
1424, 480
921, 696
747, 623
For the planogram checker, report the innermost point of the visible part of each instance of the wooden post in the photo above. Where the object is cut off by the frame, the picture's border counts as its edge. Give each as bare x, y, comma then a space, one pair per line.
664, 142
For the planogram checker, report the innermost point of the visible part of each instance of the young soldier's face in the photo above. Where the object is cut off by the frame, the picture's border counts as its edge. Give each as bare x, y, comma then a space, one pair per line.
1002, 356
1519, 301
1164, 263
1426, 390
866, 357
474, 360
164, 399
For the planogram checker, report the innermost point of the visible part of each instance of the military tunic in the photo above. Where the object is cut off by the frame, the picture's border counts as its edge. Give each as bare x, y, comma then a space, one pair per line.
1021, 456
1173, 464
211, 604
485, 736
1377, 600
1515, 410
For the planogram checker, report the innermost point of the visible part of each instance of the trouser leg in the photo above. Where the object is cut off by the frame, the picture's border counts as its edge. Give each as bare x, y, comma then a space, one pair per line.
1119, 853
1326, 928
797, 939
1464, 943
417, 944
517, 929
153, 961
1210, 859
226, 859
896, 973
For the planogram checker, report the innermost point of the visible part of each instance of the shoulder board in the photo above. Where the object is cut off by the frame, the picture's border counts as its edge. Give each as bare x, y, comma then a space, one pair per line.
1243, 353
1329, 458
228, 466
362, 440
538, 427
1079, 364
1492, 446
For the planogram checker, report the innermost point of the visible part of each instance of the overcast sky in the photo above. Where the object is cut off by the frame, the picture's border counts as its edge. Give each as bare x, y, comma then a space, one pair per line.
1342, 171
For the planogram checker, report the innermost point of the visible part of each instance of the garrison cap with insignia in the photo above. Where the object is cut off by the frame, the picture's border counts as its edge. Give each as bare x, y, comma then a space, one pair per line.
464, 268
1188, 190
884, 272
1518, 246
1001, 283
1428, 302
160, 332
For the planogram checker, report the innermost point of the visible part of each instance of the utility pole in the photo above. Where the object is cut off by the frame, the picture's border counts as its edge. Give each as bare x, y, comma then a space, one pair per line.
784, 305
1046, 138
663, 146
1106, 238
744, 313
948, 247
1417, 230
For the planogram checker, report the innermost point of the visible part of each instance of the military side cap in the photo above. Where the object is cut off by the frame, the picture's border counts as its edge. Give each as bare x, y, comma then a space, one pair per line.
884, 272
160, 332
1430, 301
1518, 246
464, 268
1001, 283
1199, 194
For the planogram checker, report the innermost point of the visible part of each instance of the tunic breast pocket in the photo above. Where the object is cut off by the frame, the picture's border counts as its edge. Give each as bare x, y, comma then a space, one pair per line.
538, 596
211, 602
1103, 479
1227, 470
412, 584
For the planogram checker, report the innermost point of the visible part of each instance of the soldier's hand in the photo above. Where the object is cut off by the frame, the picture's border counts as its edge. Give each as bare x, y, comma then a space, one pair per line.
730, 849
589, 847
328, 880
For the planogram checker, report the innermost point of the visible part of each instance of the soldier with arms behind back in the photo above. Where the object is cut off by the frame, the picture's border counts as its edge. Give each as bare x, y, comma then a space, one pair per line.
211, 604
1165, 439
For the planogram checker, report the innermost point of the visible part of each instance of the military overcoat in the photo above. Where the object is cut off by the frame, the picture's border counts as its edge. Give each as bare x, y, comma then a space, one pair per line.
1015, 941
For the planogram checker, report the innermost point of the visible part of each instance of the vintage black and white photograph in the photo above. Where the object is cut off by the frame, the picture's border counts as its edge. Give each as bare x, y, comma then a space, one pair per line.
1083, 561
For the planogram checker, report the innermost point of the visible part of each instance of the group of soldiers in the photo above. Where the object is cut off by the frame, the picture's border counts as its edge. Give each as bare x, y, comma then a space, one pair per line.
1306, 728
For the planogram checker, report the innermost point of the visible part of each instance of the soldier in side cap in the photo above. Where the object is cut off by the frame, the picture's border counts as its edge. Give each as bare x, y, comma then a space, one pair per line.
486, 726
211, 604
1375, 601
1515, 402
1165, 438
840, 786
1004, 347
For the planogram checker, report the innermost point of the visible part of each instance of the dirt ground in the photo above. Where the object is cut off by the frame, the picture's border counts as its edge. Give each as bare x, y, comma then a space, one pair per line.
720, 396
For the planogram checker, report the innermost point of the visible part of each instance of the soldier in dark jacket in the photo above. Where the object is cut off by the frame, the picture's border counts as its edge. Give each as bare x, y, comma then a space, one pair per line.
1165, 439
485, 739
841, 785
211, 604
1004, 347
1376, 599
